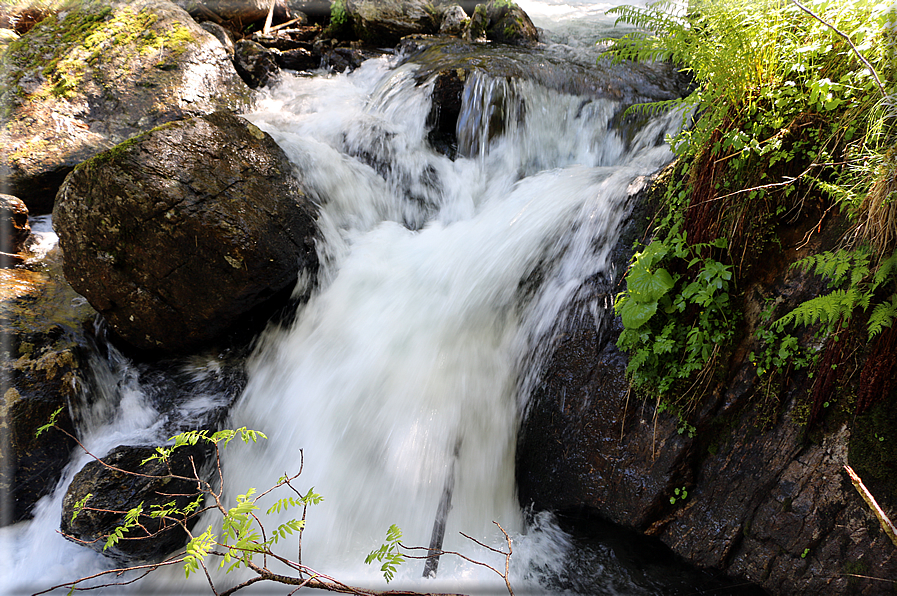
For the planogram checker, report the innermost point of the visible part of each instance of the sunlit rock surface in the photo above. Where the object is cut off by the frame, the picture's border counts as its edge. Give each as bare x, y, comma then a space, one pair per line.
94, 74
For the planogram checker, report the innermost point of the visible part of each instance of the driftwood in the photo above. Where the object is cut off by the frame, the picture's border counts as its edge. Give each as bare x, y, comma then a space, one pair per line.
886, 524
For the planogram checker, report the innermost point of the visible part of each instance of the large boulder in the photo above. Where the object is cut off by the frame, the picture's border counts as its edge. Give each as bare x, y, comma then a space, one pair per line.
501, 22
120, 482
41, 370
385, 22
179, 234
768, 500
95, 73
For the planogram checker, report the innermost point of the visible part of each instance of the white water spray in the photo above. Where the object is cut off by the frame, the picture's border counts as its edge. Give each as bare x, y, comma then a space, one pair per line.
439, 280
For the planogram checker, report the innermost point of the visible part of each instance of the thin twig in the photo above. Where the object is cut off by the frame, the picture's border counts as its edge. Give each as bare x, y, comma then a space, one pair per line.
862, 58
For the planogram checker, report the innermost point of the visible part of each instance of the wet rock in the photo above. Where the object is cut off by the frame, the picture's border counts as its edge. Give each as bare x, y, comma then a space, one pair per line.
299, 59
116, 492
95, 73
256, 64
448, 90
453, 20
221, 34
768, 500
14, 227
504, 23
475, 31
383, 23
181, 233
41, 362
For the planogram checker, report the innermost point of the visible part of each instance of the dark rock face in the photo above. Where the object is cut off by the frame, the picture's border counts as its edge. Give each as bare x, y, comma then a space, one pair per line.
766, 503
256, 64
14, 227
179, 233
96, 73
41, 362
385, 22
587, 445
118, 491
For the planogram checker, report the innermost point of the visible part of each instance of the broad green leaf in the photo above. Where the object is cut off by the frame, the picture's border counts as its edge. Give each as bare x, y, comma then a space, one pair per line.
635, 314
645, 286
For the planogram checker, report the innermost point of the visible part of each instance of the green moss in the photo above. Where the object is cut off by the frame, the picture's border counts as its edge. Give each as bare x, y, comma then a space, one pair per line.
86, 35
873, 450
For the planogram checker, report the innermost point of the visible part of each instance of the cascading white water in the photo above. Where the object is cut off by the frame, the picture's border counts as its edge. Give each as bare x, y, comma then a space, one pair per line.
415, 342
439, 281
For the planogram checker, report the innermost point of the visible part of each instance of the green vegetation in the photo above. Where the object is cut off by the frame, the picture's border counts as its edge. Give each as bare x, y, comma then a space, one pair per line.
338, 13
243, 542
792, 114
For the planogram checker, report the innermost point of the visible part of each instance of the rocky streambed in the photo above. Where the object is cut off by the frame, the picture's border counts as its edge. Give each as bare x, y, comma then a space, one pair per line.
188, 230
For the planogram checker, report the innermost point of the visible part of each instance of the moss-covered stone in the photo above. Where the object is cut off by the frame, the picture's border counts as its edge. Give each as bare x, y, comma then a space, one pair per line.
92, 74
873, 451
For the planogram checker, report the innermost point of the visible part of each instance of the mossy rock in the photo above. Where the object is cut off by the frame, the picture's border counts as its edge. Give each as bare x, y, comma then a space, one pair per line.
873, 451
94, 73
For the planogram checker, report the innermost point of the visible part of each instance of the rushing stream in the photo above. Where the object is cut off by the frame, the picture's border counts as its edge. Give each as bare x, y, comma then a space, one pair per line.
410, 365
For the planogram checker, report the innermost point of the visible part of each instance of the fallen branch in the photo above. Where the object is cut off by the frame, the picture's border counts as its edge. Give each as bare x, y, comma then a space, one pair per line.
886, 524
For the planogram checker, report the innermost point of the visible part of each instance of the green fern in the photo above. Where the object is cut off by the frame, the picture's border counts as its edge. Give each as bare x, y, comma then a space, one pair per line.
882, 316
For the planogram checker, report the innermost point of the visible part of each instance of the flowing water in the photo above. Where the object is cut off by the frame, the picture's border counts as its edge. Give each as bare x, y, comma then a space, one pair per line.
410, 365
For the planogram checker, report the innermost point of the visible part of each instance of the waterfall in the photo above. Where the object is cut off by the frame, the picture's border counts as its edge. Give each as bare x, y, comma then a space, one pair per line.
412, 360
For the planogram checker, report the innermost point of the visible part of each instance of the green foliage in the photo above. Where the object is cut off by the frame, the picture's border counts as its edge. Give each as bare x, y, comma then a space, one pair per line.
197, 550
673, 323
338, 13
130, 521
854, 284
50, 424
79, 506
778, 93
679, 494
780, 350
388, 553
782, 107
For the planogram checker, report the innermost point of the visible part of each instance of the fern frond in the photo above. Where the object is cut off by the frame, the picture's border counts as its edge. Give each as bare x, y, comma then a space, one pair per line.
882, 316
826, 310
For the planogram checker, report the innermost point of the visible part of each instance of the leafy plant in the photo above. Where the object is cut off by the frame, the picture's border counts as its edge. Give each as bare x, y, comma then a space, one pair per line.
388, 553
674, 323
338, 13
853, 285
679, 494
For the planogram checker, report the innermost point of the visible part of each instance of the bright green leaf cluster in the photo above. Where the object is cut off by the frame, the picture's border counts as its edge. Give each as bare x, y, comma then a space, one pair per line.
388, 553
673, 323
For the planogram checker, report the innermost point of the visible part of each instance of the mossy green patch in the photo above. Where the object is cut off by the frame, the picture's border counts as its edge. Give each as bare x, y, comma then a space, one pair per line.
84, 35
873, 451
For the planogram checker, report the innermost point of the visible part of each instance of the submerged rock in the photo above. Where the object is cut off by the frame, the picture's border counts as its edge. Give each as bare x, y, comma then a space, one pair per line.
116, 491
180, 234
95, 73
